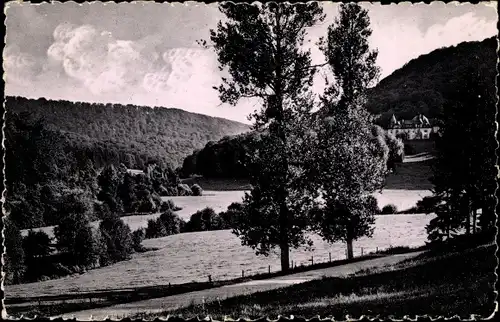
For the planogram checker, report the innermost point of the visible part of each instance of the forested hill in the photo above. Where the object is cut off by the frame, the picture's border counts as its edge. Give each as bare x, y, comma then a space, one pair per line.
425, 84
129, 134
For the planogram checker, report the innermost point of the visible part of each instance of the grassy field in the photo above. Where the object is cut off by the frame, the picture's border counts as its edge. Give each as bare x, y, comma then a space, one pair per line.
191, 257
458, 283
60, 304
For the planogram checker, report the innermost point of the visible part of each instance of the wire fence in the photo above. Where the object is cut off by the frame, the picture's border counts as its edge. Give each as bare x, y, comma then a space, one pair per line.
297, 265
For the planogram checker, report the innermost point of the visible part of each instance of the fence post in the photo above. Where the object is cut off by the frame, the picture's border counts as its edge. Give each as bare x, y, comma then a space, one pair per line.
269, 269
242, 273
330, 257
312, 260
377, 249
361, 251
210, 278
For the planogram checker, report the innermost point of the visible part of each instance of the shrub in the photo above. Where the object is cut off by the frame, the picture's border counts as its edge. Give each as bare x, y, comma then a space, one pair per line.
204, 220
155, 229
157, 201
389, 209
14, 253
137, 238
117, 236
36, 244
169, 205
231, 215
184, 190
74, 236
196, 189
171, 222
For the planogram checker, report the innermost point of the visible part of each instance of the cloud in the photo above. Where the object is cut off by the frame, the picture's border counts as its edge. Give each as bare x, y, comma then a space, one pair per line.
20, 68
400, 42
103, 54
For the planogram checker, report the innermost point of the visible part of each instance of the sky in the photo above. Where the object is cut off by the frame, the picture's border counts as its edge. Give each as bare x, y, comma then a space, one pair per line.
147, 53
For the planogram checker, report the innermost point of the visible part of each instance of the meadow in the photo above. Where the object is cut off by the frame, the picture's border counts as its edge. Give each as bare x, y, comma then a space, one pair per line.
457, 283
220, 200
183, 258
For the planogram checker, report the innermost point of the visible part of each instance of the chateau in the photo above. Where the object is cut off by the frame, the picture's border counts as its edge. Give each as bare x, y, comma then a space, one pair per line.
418, 128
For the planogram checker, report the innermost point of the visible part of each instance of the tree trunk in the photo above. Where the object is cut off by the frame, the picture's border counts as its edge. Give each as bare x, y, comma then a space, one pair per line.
285, 258
474, 220
350, 253
467, 219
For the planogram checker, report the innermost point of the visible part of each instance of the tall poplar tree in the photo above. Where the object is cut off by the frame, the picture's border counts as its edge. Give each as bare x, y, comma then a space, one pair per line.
261, 47
351, 156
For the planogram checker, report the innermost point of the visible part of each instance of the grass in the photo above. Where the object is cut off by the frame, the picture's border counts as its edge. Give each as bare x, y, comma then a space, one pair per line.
436, 284
411, 176
55, 305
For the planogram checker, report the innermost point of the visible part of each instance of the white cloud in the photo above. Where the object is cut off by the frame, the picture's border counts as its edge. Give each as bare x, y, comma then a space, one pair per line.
86, 61
400, 42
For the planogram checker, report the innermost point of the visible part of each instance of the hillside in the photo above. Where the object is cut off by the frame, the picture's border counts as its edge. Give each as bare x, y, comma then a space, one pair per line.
129, 134
425, 84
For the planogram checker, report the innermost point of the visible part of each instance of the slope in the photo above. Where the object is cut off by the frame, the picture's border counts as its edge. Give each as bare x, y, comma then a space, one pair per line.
427, 83
133, 135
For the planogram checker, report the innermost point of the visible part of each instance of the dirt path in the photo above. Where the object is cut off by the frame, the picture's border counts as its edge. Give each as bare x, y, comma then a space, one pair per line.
220, 293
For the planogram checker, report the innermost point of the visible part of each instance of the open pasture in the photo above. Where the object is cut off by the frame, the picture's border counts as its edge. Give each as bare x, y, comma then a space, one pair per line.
220, 200
193, 256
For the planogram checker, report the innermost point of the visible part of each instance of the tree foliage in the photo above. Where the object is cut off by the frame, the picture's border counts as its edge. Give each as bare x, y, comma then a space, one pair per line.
465, 176
14, 252
74, 234
231, 156
117, 238
261, 48
350, 156
132, 135
423, 86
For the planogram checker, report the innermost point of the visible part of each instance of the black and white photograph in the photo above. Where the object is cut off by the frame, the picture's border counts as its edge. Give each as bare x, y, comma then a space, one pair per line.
250, 160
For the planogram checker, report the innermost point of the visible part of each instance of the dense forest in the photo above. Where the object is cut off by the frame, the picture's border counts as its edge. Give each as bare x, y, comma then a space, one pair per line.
230, 157
129, 134
427, 83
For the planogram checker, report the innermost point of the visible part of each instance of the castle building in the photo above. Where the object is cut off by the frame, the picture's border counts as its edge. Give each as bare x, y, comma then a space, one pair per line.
418, 128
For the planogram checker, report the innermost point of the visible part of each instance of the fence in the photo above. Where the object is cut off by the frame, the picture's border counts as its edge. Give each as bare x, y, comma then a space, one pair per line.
315, 261
108, 297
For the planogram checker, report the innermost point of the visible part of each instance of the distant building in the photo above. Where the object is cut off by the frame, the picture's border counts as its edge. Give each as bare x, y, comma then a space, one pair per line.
135, 172
418, 128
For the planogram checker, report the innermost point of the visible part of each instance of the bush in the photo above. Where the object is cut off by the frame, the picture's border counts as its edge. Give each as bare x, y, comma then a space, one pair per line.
36, 244
157, 201
205, 220
74, 237
389, 209
196, 189
155, 229
184, 190
137, 238
172, 223
231, 215
14, 252
169, 205
118, 238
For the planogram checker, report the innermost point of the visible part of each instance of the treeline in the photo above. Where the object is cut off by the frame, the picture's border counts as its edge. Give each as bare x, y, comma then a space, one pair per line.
428, 83
231, 156
465, 174
132, 135
76, 246
169, 223
43, 168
